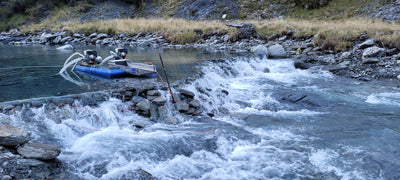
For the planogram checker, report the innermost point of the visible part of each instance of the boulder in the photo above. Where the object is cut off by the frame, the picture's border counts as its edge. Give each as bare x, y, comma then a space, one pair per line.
107, 41
39, 151
57, 40
260, 50
66, 39
398, 77
187, 93
171, 120
102, 36
153, 93
143, 105
182, 107
12, 136
246, 30
346, 55
76, 35
370, 60
93, 35
299, 64
370, 55
14, 32
195, 103
366, 44
160, 101
373, 52
277, 51
66, 47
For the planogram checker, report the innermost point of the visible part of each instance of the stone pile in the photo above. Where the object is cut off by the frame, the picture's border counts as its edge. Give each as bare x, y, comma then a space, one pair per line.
20, 157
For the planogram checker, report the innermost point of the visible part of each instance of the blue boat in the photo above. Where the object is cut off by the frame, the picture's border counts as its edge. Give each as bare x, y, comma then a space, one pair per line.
113, 66
112, 72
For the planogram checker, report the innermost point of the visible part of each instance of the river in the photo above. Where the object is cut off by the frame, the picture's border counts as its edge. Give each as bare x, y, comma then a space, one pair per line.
282, 124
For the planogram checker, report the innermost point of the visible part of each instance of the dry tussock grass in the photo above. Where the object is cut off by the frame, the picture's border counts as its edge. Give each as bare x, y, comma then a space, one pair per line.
334, 34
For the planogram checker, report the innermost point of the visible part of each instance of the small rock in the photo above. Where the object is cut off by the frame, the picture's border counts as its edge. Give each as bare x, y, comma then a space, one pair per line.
171, 120
391, 52
366, 44
93, 35
195, 103
346, 55
370, 60
160, 101
39, 151
187, 93
162, 111
6, 177
30, 162
107, 41
398, 77
301, 64
76, 35
12, 136
57, 40
182, 107
153, 93
224, 16
266, 70
66, 39
102, 36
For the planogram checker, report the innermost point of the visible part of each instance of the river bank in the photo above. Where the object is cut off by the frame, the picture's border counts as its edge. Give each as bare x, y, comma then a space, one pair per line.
350, 50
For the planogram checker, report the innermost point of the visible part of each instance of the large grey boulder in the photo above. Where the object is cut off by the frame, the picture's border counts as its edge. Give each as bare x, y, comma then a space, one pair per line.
277, 51
39, 151
260, 50
12, 136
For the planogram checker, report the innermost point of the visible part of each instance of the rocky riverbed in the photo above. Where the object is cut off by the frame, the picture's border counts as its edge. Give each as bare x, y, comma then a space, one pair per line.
366, 60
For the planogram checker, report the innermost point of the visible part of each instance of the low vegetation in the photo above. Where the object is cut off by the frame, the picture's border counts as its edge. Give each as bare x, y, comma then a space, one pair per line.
337, 35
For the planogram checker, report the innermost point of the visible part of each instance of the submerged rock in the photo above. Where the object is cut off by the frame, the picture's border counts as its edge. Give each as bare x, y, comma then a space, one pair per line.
12, 136
39, 151
66, 47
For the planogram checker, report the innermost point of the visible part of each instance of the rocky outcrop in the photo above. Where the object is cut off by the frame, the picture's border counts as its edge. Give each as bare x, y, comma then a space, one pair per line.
208, 9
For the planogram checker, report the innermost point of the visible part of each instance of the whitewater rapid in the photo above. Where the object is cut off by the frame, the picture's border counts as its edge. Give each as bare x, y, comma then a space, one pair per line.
280, 123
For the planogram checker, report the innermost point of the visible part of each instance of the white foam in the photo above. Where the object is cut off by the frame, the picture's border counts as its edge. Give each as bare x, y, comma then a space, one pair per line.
384, 98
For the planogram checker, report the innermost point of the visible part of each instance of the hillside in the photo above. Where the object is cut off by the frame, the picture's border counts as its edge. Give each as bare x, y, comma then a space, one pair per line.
14, 13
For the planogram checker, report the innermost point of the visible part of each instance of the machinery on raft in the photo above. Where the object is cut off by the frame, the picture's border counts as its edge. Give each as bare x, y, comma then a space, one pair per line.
115, 65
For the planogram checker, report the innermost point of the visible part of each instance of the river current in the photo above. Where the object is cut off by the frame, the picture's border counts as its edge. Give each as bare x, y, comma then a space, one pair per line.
280, 123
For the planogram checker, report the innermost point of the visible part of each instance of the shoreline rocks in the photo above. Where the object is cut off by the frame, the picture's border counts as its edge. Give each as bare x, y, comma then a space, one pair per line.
366, 59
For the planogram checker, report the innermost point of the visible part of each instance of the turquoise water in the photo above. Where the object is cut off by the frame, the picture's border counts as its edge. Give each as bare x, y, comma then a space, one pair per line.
31, 71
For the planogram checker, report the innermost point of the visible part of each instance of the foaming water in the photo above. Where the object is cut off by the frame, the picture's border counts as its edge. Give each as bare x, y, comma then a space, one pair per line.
281, 123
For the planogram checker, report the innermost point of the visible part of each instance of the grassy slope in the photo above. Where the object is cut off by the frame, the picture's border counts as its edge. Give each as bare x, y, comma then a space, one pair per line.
334, 23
